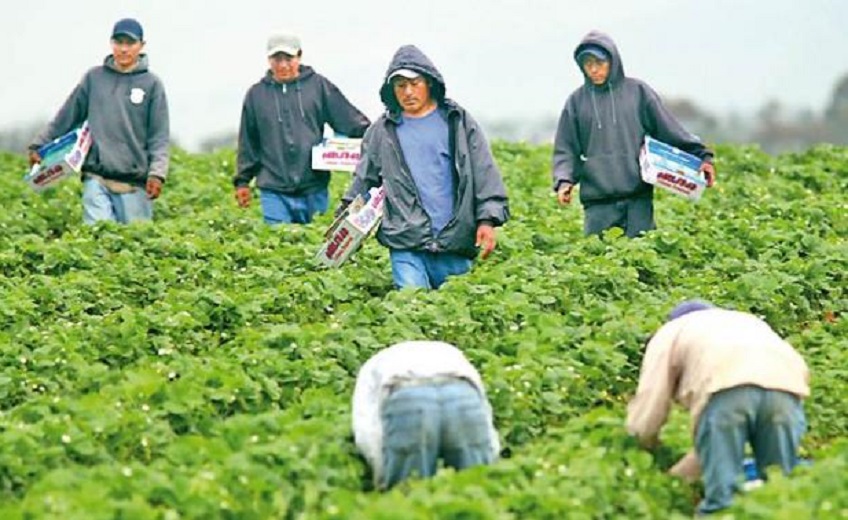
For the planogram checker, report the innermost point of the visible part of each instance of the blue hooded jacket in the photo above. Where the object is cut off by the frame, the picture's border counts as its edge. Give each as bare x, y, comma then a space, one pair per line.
480, 196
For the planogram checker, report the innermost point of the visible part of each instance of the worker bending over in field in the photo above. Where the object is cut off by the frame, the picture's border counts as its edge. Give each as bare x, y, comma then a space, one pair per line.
417, 402
741, 383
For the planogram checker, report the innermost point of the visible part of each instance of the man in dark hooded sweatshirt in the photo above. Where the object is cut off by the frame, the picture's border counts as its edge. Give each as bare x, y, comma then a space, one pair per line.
600, 132
444, 193
283, 117
127, 111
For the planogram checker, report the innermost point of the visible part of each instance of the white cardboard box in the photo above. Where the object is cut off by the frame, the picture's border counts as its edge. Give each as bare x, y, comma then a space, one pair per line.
60, 158
352, 228
339, 154
672, 169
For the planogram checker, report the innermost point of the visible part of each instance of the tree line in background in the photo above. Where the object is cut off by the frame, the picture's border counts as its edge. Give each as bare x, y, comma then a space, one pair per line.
775, 127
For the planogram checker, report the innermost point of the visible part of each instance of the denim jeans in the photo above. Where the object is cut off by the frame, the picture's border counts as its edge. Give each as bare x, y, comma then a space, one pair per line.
422, 424
99, 203
426, 270
279, 208
634, 215
771, 421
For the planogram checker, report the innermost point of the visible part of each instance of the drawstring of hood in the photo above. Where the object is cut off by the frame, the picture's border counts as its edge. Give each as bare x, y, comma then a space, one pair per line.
612, 95
595, 108
597, 112
300, 99
283, 89
277, 106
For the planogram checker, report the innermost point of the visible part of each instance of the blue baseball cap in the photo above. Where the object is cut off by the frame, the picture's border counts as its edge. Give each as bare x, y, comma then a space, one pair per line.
128, 27
687, 307
593, 50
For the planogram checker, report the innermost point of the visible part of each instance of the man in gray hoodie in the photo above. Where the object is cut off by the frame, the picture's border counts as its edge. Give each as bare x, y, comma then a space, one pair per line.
283, 117
444, 192
600, 133
127, 111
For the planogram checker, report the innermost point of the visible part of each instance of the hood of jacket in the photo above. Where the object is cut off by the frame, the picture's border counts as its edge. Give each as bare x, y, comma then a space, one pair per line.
603, 41
305, 71
109, 63
410, 57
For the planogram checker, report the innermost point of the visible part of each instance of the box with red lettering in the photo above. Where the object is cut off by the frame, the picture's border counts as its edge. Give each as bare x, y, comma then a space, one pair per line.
340, 154
60, 158
672, 169
347, 234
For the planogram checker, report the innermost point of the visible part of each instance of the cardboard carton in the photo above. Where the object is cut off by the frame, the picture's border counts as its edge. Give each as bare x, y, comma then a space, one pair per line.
672, 169
348, 232
337, 154
61, 158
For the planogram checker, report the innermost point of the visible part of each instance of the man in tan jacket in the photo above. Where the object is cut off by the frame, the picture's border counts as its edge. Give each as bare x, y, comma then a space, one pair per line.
741, 383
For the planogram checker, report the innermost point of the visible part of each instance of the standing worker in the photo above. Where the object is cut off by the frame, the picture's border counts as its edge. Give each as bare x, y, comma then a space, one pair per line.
282, 118
599, 135
127, 112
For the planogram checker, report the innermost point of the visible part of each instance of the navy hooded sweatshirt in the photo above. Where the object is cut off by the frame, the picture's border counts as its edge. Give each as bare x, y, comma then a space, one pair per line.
281, 122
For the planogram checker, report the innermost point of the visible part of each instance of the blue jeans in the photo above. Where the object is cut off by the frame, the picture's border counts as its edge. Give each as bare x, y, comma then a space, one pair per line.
99, 203
279, 208
426, 270
424, 423
634, 215
771, 421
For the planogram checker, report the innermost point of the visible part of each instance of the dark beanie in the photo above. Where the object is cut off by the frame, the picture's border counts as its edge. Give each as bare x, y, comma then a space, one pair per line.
687, 307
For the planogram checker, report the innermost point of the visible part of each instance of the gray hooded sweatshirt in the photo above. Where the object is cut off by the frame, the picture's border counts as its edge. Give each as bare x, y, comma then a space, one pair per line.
479, 195
601, 130
281, 122
128, 116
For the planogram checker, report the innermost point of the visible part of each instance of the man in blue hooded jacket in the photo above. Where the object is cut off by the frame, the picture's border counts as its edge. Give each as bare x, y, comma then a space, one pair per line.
282, 118
444, 192
600, 132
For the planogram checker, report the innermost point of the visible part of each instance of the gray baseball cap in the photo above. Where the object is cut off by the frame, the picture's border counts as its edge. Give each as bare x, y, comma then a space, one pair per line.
284, 42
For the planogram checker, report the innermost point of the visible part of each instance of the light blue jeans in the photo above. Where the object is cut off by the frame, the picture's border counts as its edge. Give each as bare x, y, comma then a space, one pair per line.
426, 270
421, 424
771, 421
99, 203
634, 215
279, 208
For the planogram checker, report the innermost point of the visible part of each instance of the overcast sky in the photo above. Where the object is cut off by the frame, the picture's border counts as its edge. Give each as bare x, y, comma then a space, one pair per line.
500, 58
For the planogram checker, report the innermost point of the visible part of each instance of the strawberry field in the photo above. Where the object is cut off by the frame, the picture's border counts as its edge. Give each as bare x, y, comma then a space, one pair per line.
202, 367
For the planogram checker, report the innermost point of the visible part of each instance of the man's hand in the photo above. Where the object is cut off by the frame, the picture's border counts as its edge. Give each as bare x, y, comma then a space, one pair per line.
708, 169
688, 468
486, 239
154, 187
243, 196
651, 443
34, 158
564, 193
340, 209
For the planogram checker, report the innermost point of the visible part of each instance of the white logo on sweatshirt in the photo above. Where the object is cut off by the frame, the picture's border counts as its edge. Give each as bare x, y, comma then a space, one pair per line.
137, 96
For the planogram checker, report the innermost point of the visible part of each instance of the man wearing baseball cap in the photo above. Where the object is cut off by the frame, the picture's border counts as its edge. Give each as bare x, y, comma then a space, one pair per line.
740, 381
444, 193
599, 136
127, 111
283, 117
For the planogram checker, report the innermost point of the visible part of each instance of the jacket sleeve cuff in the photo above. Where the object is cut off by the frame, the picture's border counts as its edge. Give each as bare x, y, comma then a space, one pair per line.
560, 182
